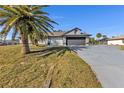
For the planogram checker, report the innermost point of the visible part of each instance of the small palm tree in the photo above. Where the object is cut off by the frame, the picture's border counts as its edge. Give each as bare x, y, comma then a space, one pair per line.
27, 21
98, 35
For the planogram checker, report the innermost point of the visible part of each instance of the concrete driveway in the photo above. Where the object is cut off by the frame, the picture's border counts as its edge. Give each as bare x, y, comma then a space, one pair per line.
107, 62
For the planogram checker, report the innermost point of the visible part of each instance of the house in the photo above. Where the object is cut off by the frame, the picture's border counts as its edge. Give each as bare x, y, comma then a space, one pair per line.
116, 41
71, 37
103, 40
9, 42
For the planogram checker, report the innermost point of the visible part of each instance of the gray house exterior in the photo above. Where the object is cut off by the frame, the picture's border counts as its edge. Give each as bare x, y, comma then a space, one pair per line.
71, 37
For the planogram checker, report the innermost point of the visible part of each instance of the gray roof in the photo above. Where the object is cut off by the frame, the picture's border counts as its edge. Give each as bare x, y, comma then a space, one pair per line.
62, 33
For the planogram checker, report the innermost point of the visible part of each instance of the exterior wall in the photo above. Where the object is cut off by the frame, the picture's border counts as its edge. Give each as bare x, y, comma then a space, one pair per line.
115, 42
56, 41
87, 40
53, 41
64, 40
29, 41
61, 41
44, 42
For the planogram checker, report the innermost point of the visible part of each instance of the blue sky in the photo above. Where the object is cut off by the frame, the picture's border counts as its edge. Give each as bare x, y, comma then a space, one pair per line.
108, 20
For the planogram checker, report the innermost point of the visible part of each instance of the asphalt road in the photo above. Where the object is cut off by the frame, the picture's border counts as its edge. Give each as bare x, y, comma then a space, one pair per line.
107, 62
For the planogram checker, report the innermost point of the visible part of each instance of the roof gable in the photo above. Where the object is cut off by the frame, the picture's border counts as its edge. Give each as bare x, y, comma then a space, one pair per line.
75, 31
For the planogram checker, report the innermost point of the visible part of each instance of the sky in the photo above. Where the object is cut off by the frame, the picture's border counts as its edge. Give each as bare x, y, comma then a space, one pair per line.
108, 20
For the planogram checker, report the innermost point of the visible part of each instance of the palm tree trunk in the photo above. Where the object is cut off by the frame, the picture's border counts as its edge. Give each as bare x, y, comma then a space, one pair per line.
25, 44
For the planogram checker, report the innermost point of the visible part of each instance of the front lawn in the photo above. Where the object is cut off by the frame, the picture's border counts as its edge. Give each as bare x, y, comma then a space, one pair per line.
56, 67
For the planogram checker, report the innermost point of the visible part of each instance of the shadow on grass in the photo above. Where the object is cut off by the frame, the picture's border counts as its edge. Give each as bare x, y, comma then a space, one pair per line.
60, 51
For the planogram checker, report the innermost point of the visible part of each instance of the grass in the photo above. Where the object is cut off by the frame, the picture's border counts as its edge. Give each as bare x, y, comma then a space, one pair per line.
30, 71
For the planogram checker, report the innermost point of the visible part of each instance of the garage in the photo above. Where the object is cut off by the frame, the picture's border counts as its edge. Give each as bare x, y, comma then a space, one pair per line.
75, 40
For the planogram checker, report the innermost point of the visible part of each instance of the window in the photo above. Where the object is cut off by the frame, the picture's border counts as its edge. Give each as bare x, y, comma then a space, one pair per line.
122, 41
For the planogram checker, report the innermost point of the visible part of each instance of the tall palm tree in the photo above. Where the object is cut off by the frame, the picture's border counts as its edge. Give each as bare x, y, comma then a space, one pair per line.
25, 20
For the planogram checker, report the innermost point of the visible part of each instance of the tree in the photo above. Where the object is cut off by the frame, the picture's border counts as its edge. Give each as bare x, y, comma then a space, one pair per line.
0, 37
104, 36
27, 21
98, 35
92, 40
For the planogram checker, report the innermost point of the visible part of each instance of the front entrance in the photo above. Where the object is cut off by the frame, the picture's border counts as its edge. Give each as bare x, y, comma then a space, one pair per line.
75, 40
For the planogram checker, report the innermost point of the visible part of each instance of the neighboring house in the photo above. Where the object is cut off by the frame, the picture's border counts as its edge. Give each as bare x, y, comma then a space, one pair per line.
116, 41
9, 42
72, 37
103, 41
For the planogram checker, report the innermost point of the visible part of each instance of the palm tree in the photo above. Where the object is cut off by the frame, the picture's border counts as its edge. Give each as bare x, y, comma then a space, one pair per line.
27, 21
0, 38
98, 35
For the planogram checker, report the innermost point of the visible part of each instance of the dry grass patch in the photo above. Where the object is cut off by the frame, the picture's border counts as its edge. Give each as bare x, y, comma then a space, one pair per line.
122, 47
17, 70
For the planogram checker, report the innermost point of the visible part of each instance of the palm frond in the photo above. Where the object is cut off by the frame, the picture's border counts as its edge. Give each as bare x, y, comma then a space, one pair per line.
28, 20
23, 11
9, 9
39, 7
39, 13
14, 34
4, 14
9, 25
3, 21
47, 19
